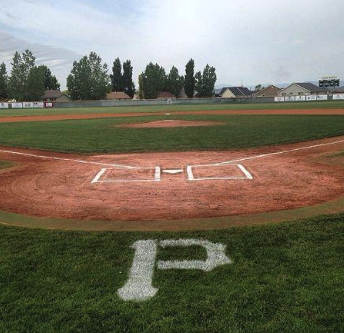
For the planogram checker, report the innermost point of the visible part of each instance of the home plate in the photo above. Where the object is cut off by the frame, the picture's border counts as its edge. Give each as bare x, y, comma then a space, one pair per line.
173, 171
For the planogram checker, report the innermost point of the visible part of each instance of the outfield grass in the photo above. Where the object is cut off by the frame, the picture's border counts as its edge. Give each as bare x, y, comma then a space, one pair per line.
285, 278
102, 135
171, 108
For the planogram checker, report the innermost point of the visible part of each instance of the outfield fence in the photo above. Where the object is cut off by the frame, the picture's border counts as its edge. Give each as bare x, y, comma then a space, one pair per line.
179, 101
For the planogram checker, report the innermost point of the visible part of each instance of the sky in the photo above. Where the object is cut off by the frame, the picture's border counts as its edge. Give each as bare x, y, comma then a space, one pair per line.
248, 42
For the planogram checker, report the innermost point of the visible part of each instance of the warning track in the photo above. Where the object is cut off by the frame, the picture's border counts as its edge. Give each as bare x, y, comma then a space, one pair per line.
57, 117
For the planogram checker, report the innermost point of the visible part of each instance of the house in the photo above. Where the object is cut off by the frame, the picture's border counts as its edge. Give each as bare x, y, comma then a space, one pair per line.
270, 91
165, 95
301, 89
117, 95
55, 96
234, 92
339, 90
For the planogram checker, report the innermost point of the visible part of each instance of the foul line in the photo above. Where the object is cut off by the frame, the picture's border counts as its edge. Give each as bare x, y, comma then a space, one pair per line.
68, 160
270, 154
198, 165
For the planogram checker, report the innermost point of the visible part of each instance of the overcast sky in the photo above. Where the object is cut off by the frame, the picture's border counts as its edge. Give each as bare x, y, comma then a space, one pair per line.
249, 42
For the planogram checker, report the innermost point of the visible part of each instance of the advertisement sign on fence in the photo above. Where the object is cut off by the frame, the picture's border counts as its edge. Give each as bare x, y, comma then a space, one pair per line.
279, 99
289, 98
48, 104
322, 98
300, 98
311, 98
38, 104
17, 105
3, 105
27, 105
338, 96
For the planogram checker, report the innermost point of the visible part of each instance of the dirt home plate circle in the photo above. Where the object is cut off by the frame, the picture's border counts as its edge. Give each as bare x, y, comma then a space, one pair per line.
143, 188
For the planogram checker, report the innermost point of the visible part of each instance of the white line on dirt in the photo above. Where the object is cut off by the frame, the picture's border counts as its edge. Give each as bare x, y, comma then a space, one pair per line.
68, 160
188, 167
269, 154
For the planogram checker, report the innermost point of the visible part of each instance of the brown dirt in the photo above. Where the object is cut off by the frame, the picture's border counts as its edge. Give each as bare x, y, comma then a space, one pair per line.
171, 123
63, 189
54, 117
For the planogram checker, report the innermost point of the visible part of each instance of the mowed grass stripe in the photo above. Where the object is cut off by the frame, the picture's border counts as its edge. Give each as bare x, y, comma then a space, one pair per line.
172, 108
285, 278
102, 135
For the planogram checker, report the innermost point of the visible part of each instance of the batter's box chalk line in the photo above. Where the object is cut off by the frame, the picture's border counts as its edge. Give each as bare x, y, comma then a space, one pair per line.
190, 172
99, 178
101, 175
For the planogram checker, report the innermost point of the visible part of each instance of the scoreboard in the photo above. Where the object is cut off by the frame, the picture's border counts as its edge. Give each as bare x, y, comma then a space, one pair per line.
329, 82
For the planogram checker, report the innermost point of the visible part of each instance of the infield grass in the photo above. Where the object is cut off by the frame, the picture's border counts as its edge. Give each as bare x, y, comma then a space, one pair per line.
284, 278
172, 108
103, 135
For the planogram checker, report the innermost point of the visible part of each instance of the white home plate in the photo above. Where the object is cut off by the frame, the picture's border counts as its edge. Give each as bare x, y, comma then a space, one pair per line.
173, 171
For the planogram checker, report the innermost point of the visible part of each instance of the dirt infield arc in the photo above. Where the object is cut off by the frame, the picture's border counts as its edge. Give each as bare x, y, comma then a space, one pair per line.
60, 185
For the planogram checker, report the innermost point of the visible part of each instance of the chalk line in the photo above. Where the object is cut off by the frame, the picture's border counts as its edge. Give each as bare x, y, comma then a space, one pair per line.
270, 154
68, 159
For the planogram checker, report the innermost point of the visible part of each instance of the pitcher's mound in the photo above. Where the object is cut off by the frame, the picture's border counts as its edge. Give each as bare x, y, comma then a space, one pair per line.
171, 123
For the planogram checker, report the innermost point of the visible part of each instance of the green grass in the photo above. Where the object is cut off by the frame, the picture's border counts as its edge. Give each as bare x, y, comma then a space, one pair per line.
5, 164
171, 108
285, 278
237, 132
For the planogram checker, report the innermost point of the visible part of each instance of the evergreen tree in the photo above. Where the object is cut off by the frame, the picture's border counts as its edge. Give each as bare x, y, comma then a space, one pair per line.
88, 79
152, 81
35, 84
3, 82
116, 76
205, 83
50, 81
21, 66
127, 79
174, 82
190, 78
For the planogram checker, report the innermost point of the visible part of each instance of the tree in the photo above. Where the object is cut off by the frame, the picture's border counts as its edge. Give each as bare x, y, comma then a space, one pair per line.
35, 84
259, 87
88, 78
50, 81
174, 82
3, 82
116, 76
205, 83
190, 78
127, 79
152, 81
21, 66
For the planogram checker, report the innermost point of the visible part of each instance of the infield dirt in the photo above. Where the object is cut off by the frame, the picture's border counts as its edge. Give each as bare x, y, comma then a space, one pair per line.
63, 189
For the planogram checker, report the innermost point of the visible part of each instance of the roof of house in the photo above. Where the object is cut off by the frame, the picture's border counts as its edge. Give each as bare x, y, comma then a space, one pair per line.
310, 87
117, 95
237, 91
339, 90
270, 87
52, 94
166, 94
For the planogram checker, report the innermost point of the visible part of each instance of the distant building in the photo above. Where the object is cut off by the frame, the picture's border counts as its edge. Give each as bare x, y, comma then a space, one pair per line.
339, 90
166, 94
117, 95
55, 96
234, 92
270, 91
301, 89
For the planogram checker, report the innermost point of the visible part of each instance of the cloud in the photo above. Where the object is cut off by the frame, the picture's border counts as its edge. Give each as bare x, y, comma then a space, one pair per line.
59, 60
254, 41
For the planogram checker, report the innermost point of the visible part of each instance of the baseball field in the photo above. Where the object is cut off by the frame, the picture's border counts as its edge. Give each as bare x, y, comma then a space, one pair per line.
209, 218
